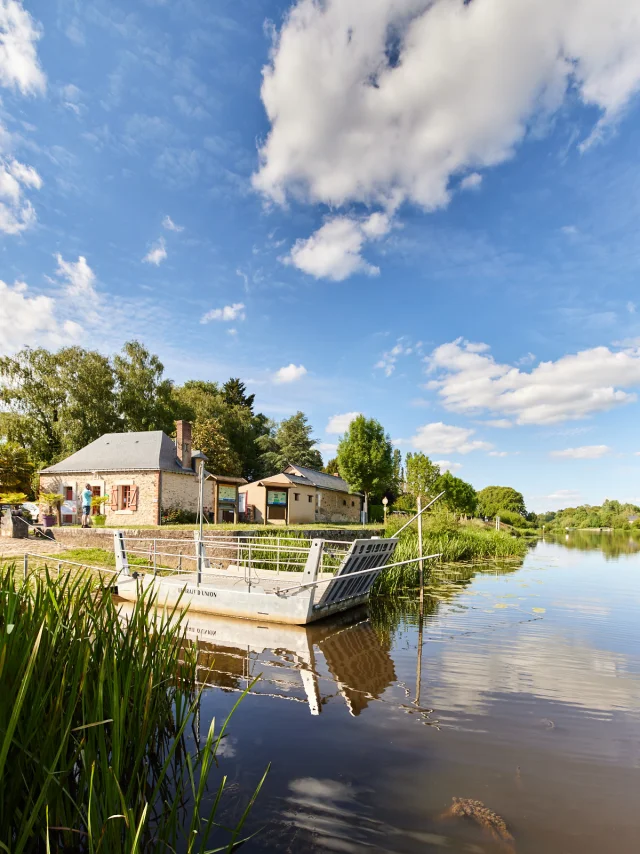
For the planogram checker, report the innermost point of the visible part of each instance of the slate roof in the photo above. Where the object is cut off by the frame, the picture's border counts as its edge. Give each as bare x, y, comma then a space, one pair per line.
320, 479
147, 451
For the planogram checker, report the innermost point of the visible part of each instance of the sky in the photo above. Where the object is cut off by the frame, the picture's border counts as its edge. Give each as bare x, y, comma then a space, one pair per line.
426, 212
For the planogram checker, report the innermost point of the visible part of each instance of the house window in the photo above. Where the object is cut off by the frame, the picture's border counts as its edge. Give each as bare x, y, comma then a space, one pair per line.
124, 496
68, 493
96, 492
296, 496
311, 499
353, 503
344, 501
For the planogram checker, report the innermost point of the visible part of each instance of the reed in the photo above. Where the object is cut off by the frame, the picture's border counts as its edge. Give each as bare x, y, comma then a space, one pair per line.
94, 720
454, 542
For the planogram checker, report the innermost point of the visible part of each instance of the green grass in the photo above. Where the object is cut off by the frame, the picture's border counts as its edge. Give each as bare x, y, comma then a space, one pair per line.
454, 542
93, 725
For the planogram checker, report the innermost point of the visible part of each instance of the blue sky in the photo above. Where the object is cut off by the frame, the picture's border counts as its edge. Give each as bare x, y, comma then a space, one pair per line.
428, 213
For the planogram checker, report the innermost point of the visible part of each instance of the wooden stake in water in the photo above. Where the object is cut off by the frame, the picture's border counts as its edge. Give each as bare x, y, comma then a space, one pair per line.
420, 552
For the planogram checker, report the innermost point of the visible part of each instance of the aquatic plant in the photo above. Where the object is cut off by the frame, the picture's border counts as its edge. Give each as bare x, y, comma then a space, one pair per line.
93, 725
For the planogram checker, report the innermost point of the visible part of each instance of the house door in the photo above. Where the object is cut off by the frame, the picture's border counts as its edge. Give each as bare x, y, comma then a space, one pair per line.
96, 492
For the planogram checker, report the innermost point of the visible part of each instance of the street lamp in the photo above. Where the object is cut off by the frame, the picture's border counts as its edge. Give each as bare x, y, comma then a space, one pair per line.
385, 501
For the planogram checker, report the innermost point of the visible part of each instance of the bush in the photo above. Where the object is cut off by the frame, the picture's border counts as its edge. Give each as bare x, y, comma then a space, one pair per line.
178, 516
99, 520
405, 504
376, 513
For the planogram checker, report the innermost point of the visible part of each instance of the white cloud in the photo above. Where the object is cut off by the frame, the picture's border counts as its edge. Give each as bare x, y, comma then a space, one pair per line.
333, 251
631, 307
586, 452
471, 182
500, 423
170, 225
570, 230
575, 386
447, 465
327, 447
16, 212
498, 453
31, 320
338, 424
391, 107
157, 254
289, 374
225, 314
19, 66
79, 277
387, 361
439, 438
564, 495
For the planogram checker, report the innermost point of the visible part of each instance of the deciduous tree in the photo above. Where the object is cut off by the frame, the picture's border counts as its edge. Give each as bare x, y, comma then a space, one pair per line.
421, 475
16, 468
459, 496
365, 457
493, 499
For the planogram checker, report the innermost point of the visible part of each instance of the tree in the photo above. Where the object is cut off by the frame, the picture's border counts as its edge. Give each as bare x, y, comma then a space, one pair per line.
235, 394
144, 398
459, 496
493, 499
57, 402
421, 475
332, 467
209, 438
16, 468
365, 457
289, 443
396, 487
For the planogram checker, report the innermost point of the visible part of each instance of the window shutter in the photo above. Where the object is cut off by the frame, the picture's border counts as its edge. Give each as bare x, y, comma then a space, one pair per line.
133, 498
114, 497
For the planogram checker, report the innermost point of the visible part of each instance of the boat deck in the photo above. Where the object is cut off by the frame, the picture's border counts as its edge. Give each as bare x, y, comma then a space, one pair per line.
237, 578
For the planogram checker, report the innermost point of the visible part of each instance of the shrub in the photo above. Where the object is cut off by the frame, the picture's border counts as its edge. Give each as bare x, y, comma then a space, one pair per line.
99, 519
178, 516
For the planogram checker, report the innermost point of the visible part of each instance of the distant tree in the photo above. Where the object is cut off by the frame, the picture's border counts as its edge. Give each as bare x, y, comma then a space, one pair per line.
396, 487
289, 443
365, 457
16, 468
332, 467
208, 437
144, 397
493, 499
421, 475
459, 496
235, 394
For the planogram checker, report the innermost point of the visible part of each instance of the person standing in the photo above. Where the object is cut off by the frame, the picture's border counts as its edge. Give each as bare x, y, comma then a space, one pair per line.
87, 495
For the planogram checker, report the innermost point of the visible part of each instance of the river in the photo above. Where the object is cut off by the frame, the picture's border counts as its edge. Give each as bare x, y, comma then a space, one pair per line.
527, 700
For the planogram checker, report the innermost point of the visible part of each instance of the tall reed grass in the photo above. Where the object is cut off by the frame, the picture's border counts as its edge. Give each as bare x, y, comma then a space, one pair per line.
455, 543
94, 719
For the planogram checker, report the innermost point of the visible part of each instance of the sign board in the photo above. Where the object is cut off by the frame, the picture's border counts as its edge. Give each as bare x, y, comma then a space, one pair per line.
279, 498
227, 493
242, 502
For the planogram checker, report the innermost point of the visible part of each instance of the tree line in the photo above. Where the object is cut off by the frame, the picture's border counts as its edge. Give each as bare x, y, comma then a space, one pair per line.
55, 403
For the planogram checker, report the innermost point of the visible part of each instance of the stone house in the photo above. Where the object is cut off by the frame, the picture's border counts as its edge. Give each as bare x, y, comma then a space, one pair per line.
142, 474
300, 495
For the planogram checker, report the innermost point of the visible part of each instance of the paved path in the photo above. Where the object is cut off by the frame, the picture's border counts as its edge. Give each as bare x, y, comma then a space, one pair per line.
16, 548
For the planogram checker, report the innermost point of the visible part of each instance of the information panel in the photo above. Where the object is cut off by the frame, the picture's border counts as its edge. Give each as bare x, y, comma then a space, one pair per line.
227, 493
279, 498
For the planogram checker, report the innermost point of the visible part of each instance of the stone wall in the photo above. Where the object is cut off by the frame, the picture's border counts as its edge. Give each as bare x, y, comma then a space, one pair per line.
181, 490
147, 483
337, 507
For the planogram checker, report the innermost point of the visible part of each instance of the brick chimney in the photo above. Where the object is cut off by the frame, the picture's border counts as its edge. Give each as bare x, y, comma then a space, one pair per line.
183, 443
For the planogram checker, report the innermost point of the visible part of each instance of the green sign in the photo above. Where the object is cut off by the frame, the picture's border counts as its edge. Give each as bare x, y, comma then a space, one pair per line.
227, 493
279, 498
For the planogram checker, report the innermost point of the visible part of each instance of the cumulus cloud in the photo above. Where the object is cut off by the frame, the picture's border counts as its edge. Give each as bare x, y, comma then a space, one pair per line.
289, 374
333, 251
468, 379
327, 447
498, 453
392, 106
586, 452
387, 361
225, 314
19, 65
157, 254
16, 212
31, 320
170, 225
338, 424
80, 278
447, 465
471, 182
439, 438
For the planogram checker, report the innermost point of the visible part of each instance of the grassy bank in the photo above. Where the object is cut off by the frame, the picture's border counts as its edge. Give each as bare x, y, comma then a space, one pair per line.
93, 723
455, 543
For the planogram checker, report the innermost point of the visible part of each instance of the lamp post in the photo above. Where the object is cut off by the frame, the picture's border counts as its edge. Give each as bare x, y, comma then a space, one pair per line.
385, 501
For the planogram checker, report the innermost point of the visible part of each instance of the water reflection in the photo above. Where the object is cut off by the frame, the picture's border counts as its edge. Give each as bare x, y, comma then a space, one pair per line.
231, 653
612, 544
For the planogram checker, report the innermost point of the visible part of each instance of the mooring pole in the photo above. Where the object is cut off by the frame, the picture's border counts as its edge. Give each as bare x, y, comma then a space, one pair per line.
419, 661
420, 552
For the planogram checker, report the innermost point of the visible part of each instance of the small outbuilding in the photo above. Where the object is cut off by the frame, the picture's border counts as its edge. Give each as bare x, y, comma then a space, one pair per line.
299, 496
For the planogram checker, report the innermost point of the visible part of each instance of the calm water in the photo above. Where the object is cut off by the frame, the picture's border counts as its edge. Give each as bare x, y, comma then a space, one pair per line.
527, 699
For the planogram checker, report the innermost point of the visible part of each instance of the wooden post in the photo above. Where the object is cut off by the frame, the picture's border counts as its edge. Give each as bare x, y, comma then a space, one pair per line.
420, 552
419, 661
180, 561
